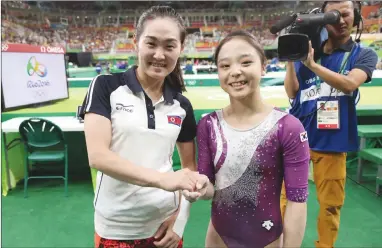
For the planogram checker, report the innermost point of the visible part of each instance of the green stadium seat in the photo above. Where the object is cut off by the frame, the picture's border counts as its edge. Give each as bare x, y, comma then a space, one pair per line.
379, 180
372, 134
369, 110
374, 155
370, 131
43, 142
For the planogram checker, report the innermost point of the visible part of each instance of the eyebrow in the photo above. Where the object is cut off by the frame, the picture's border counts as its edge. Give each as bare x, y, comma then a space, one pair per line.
155, 38
240, 57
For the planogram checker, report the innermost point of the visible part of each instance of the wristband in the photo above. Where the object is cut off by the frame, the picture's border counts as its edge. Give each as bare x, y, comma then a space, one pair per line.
181, 219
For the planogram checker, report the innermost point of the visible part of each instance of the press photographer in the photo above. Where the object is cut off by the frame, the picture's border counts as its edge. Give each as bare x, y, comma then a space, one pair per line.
323, 88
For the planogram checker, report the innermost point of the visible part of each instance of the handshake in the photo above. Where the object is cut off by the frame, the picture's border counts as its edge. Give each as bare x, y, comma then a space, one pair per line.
192, 184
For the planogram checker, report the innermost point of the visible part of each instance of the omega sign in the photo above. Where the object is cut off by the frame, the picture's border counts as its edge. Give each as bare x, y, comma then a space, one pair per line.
51, 49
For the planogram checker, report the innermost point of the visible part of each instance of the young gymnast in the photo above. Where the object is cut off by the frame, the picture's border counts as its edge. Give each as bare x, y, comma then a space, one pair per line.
246, 150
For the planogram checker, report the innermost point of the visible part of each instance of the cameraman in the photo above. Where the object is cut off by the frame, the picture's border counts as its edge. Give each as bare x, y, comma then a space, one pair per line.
330, 83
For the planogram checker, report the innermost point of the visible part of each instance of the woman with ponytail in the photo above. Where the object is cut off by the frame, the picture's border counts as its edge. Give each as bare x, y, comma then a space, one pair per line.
132, 122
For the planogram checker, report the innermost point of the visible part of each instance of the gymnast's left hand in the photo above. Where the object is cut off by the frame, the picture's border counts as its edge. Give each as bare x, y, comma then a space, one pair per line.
201, 189
165, 237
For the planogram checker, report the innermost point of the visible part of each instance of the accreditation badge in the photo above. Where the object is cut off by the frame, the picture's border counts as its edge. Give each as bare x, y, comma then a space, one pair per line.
328, 115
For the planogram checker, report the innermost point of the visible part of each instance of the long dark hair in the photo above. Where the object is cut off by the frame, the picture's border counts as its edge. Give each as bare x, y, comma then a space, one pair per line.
248, 37
175, 78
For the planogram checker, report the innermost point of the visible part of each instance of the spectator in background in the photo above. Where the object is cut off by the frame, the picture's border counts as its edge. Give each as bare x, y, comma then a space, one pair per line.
98, 68
188, 69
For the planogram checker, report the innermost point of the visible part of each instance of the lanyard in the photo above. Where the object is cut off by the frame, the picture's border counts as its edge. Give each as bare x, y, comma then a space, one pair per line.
342, 68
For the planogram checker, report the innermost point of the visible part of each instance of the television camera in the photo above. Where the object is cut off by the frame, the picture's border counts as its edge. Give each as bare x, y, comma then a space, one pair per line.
299, 29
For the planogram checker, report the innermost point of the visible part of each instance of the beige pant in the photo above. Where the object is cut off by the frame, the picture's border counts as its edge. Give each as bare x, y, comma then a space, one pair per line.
329, 172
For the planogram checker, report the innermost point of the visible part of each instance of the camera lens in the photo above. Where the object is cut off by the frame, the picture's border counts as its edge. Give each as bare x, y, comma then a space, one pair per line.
292, 47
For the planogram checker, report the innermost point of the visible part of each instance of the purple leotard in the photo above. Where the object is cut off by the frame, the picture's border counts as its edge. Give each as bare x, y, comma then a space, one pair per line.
247, 168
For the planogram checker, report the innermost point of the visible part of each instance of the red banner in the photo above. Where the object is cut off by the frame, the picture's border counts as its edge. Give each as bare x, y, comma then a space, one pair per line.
25, 48
207, 29
368, 22
125, 46
201, 44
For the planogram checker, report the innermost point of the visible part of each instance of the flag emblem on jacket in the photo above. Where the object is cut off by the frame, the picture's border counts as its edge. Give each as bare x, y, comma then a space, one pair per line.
303, 136
174, 119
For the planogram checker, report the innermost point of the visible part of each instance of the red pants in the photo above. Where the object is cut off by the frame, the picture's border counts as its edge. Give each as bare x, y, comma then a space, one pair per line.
140, 243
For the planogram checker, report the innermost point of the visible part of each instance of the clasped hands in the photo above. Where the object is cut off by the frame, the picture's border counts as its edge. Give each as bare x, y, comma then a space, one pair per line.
192, 184
200, 187
195, 185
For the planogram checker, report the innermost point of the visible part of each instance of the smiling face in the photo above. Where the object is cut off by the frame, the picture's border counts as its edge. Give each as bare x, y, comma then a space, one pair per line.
239, 68
344, 27
159, 47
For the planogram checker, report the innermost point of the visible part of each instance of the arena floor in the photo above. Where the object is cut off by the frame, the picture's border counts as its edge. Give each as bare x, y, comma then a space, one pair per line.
200, 97
360, 220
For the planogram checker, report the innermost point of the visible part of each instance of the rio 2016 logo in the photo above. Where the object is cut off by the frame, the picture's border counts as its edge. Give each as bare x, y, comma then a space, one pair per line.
36, 67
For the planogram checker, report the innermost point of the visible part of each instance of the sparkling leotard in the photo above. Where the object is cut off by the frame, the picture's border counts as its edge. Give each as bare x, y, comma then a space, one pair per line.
247, 168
